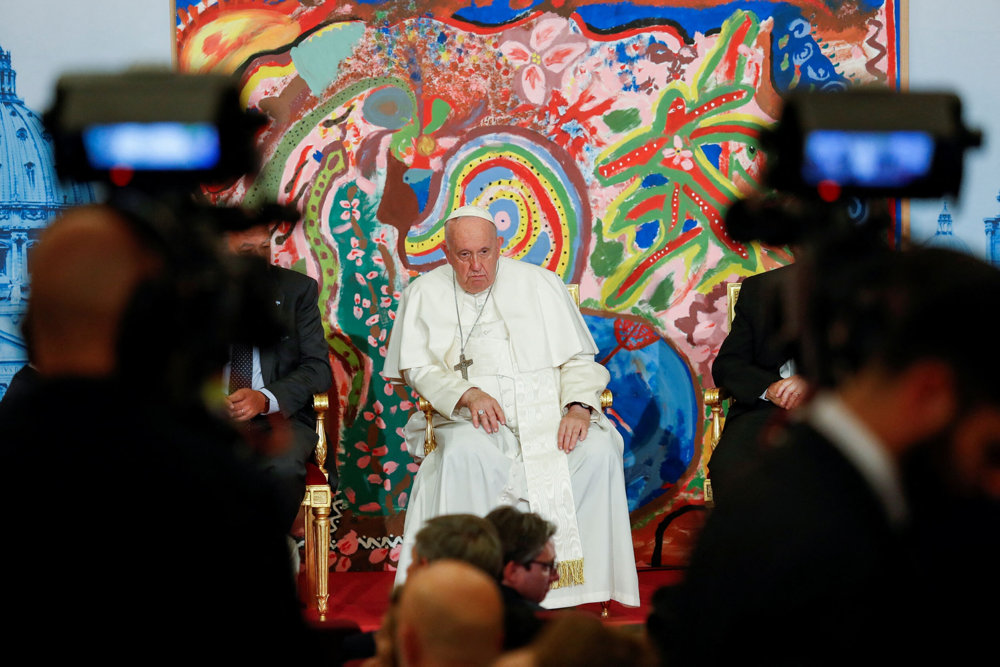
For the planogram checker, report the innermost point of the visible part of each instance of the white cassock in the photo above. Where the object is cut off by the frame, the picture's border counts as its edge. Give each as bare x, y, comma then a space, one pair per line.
532, 352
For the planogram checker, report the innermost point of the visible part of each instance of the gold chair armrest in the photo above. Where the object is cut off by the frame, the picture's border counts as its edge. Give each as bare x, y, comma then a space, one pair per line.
430, 442
321, 403
714, 397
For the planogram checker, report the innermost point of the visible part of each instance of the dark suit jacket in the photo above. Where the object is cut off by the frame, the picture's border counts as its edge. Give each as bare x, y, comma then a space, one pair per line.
522, 619
86, 466
298, 366
749, 360
800, 567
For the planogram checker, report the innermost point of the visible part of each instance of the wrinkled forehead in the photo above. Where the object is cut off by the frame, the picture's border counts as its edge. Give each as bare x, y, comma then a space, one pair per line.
469, 230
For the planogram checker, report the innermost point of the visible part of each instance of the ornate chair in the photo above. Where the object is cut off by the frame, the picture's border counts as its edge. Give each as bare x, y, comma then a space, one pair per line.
716, 396
317, 505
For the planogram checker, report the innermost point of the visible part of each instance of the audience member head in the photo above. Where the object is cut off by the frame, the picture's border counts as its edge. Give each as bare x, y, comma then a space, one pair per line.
924, 379
86, 270
578, 639
465, 537
529, 555
472, 247
449, 613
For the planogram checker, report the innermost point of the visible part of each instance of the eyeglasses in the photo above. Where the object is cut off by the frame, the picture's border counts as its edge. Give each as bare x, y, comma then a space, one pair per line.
547, 566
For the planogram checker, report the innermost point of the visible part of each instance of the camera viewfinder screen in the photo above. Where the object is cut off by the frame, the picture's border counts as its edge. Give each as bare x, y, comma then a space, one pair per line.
166, 146
867, 159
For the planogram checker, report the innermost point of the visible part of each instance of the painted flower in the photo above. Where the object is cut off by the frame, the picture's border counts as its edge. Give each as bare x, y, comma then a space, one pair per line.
551, 48
350, 209
678, 155
348, 544
375, 415
356, 253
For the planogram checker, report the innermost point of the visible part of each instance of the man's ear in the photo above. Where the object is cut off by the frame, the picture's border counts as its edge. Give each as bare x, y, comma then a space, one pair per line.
510, 573
931, 394
975, 452
408, 651
499, 243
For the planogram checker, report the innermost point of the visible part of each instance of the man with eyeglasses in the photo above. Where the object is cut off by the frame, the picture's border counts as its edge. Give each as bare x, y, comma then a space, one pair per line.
529, 570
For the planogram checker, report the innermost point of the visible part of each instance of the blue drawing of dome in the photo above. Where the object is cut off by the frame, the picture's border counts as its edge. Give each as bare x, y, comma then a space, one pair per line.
945, 237
30, 196
993, 238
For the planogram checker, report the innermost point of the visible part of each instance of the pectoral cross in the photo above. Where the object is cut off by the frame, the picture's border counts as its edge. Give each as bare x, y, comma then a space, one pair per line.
463, 366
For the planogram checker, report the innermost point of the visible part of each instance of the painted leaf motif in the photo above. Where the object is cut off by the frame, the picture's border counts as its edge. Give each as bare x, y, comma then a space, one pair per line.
533, 81
634, 335
545, 33
559, 57
517, 53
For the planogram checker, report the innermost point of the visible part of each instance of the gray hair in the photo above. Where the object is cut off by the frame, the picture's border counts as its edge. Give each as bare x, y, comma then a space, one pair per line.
464, 537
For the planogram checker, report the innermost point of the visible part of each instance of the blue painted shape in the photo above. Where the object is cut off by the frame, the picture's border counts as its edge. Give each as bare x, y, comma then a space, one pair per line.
494, 13
419, 181
388, 107
712, 152
539, 251
795, 50
655, 409
646, 235
622, 15
317, 58
653, 179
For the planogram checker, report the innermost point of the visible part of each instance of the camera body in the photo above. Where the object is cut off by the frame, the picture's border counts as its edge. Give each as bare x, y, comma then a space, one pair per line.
153, 139
834, 162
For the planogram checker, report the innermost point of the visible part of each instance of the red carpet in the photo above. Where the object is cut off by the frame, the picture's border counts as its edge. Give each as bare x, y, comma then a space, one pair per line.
362, 597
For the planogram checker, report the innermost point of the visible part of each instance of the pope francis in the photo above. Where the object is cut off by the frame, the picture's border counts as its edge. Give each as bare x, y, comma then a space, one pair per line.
501, 351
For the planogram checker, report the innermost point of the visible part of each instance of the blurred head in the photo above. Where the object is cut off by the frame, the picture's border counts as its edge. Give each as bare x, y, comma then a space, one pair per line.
465, 537
575, 638
86, 270
472, 248
449, 613
251, 242
923, 374
529, 555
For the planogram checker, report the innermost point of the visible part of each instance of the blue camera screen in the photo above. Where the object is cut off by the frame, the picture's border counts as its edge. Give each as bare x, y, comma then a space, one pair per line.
867, 159
168, 146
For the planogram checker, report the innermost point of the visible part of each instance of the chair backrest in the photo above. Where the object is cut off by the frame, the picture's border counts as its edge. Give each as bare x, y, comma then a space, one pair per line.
732, 293
574, 291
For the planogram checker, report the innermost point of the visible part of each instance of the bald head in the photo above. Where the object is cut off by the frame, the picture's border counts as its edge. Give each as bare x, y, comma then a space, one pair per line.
85, 270
450, 613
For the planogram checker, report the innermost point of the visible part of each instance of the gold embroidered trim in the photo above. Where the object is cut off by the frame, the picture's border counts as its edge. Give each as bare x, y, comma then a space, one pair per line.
570, 573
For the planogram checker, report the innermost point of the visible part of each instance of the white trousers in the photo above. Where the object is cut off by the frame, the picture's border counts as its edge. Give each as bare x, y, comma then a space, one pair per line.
473, 472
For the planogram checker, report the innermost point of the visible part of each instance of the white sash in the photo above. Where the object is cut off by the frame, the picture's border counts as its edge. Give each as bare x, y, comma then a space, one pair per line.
535, 421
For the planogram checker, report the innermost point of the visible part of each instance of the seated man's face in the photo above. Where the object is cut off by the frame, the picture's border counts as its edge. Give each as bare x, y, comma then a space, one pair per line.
255, 241
533, 580
473, 249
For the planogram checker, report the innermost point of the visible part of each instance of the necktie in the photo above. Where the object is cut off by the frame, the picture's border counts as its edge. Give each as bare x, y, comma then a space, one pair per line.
241, 367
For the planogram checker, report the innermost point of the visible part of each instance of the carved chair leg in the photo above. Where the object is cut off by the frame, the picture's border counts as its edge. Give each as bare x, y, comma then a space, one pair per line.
318, 503
310, 548
322, 526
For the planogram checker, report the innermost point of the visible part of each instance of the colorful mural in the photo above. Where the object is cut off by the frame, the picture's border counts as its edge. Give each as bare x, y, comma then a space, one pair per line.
608, 139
